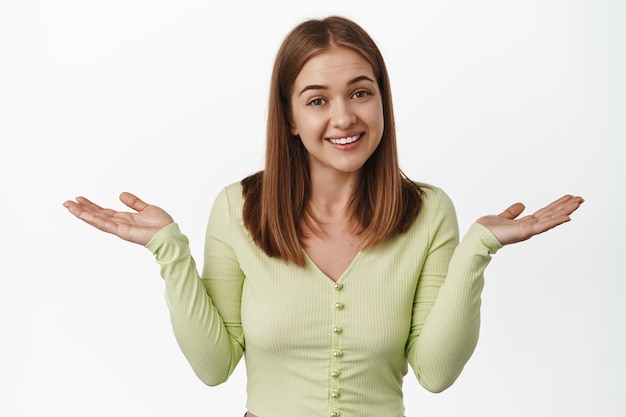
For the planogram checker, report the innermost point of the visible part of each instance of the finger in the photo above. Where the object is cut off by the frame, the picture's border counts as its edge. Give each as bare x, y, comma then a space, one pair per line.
556, 204
556, 213
88, 206
133, 201
72, 207
572, 204
548, 222
513, 211
85, 202
69, 203
91, 217
80, 206
564, 206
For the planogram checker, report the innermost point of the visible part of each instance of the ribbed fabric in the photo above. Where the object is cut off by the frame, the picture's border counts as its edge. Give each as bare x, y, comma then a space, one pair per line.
315, 347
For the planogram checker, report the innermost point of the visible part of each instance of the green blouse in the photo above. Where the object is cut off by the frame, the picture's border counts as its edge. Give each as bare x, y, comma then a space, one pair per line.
318, 348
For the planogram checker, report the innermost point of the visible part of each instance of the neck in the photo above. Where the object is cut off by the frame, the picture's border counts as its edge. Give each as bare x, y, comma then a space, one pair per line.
331, 194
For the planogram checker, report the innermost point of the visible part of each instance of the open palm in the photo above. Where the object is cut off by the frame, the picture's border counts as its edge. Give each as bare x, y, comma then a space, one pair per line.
507, 228
137, 227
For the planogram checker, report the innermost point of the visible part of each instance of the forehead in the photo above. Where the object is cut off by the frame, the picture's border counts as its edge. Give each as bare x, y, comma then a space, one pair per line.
333, 65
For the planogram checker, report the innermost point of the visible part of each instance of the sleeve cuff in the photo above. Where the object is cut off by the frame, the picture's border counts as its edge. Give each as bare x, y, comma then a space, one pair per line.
484, 235
165, 237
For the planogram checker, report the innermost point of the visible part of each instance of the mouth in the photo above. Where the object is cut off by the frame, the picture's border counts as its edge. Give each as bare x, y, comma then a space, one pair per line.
346, 140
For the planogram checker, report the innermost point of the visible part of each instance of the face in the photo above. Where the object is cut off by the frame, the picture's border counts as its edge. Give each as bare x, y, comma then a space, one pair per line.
336, 110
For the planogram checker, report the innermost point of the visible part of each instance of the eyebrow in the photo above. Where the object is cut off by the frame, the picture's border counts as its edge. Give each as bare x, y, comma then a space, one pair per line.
322, 87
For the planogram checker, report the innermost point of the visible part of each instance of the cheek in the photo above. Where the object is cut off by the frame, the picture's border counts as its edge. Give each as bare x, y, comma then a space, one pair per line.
308, 125
376, 117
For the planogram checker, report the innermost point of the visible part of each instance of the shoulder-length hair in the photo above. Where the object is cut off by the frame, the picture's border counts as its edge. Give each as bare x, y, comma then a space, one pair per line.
277, 198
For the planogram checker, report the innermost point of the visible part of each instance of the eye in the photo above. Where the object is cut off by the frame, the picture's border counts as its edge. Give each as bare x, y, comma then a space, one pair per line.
361, 94
315, 102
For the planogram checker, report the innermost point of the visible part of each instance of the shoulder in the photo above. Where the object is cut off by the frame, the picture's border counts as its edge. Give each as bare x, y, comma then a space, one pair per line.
437, 213
435, 199
229, 200
234, 190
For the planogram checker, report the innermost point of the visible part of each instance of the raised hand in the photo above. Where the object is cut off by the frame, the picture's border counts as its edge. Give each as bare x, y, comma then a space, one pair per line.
508, 229
137, 227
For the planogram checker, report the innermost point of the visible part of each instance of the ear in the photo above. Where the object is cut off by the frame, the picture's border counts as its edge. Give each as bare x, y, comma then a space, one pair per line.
292, 126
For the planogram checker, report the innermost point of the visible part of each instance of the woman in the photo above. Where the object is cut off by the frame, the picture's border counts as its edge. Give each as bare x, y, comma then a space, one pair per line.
330, 269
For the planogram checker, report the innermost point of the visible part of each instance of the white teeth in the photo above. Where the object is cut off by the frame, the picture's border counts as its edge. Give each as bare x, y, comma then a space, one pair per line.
345, 141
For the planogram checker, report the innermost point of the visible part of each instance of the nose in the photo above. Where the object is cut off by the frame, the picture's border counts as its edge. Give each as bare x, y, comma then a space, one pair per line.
342, 115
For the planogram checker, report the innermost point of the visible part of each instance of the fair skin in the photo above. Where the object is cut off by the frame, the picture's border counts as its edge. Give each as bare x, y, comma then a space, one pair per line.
334, 97
333, 177
337, 111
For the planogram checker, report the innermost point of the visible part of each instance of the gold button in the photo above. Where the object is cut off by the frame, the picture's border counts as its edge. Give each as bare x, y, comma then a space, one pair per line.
334, 414
337, 354
337, 329
334, 374
338, 286
339, 306
334, 394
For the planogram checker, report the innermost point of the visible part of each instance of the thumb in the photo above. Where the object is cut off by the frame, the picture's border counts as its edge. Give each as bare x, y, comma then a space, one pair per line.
133, 201
513, 211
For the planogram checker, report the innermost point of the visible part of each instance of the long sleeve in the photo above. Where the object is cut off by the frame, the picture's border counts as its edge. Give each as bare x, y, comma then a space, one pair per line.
205, 312
314, 346
446, 313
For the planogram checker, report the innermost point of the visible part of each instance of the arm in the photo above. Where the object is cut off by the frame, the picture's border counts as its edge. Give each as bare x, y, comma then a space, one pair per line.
212, 344
446, 309
205, 312
446, 314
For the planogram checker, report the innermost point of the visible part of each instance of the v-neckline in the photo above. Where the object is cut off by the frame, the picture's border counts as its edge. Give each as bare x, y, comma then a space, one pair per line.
341, 277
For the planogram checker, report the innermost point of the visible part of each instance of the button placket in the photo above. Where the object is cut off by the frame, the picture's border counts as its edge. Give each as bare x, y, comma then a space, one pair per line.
336, 350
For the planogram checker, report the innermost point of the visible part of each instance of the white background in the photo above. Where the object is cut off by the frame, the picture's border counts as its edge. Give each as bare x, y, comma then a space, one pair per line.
497, 101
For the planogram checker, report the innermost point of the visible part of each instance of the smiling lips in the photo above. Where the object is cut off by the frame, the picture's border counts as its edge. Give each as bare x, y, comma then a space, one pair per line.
344, 141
